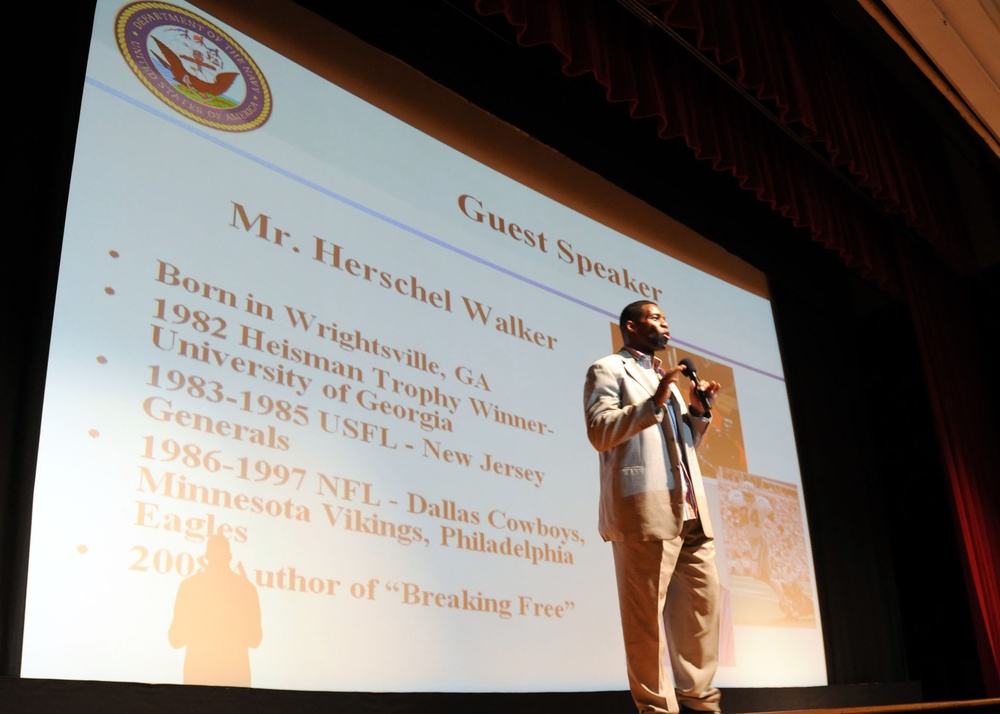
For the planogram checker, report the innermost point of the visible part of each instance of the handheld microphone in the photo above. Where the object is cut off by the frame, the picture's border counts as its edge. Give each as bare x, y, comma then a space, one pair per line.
690, 371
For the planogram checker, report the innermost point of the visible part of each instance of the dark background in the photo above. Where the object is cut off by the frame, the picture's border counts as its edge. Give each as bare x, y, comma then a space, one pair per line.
893, 600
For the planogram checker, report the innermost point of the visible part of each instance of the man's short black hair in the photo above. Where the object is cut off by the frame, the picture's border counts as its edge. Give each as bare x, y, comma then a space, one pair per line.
632, 311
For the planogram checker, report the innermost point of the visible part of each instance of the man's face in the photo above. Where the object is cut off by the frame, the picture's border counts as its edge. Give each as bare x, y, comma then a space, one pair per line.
650, 332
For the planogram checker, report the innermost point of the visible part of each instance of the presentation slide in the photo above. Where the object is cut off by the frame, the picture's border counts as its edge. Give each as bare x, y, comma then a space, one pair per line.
313, 413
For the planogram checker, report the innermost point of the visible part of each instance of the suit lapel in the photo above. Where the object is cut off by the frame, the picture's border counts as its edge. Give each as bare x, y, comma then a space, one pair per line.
637, 373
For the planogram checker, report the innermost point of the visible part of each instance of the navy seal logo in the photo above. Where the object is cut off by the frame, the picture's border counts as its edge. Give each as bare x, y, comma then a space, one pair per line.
193, 66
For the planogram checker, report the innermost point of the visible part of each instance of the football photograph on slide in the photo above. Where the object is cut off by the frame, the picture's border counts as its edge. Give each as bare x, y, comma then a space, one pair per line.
312, 409
765, 551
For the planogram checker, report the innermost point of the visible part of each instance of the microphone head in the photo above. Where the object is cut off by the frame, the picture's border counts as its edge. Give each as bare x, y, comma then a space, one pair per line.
689, 369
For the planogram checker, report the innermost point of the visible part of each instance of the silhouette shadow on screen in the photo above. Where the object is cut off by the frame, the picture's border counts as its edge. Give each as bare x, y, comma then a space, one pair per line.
217, 618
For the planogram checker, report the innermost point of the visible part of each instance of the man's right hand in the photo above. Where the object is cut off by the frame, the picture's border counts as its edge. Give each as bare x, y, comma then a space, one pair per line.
669, 377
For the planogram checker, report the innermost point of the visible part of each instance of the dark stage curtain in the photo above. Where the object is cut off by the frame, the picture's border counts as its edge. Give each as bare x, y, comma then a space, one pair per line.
789, 107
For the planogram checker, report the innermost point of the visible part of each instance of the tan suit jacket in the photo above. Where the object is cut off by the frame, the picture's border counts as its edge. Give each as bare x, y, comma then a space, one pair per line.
641, 497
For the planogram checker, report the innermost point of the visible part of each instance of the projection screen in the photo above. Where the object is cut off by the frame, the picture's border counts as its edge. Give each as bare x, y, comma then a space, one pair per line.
313, 408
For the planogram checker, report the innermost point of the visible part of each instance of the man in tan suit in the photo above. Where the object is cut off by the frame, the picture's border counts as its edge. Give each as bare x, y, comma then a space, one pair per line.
654, 511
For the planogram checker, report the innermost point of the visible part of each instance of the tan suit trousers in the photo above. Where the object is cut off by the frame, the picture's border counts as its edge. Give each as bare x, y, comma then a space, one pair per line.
668, 593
